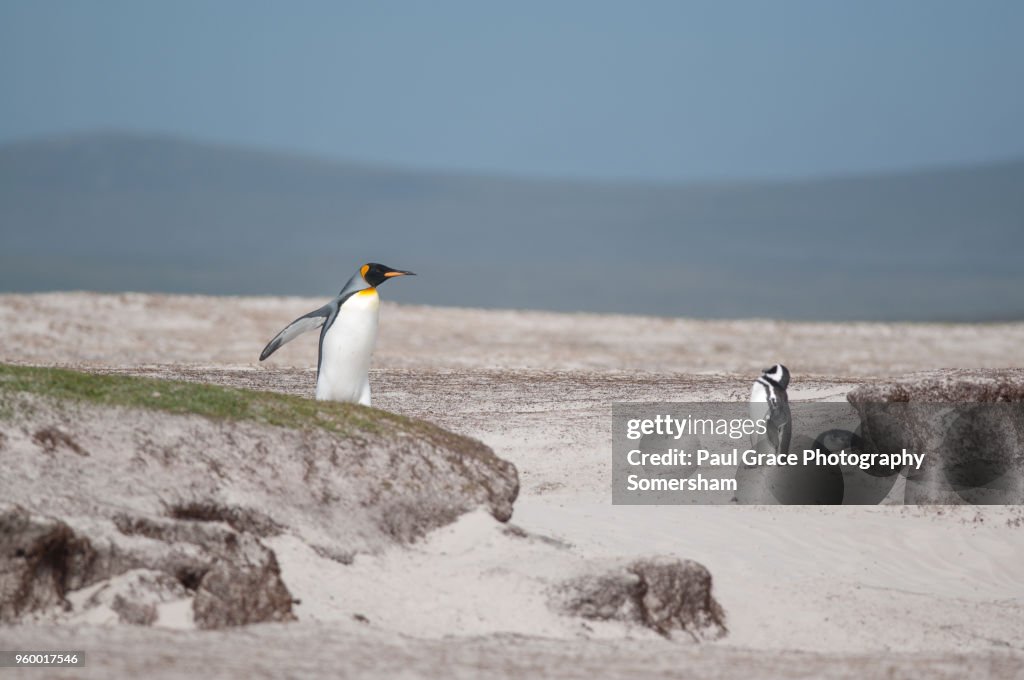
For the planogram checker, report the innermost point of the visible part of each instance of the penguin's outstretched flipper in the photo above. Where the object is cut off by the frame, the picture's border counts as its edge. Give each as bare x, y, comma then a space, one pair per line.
304, 323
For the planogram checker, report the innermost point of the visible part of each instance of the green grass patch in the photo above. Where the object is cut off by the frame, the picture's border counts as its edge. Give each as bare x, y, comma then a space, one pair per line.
210, 401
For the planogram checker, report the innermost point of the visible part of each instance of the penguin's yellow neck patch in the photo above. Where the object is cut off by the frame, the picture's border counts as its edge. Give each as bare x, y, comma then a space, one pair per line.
369, 292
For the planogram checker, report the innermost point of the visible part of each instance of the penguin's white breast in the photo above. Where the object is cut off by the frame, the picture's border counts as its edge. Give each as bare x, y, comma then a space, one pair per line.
758, 401
348, 347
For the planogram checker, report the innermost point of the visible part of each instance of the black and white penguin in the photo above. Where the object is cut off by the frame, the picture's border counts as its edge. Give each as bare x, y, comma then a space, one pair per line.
348, 334
768, 401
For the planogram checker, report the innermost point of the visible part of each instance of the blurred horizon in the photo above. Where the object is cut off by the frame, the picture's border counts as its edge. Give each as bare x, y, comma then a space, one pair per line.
91, 135
120, 212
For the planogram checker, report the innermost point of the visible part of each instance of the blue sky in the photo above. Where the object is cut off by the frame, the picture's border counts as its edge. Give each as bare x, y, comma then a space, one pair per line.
640, 90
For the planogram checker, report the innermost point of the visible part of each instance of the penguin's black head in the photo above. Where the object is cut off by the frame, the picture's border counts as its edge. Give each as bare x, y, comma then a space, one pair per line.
778, 374
376, 274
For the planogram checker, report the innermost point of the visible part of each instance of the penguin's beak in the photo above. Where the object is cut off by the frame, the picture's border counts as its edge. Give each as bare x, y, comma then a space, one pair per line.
396, 272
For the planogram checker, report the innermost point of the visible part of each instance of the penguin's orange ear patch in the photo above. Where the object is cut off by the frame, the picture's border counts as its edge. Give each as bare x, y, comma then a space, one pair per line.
362, 270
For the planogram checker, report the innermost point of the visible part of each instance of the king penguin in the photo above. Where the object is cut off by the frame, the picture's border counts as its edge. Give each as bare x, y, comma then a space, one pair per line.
768, 401
348, 333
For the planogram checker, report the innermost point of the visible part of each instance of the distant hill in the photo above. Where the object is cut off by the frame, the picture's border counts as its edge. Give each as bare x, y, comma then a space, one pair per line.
128, 212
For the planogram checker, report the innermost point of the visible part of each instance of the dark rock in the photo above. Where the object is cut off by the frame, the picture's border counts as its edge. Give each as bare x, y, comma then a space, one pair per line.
39, 558
664, 594
968, 422
235, 579
245, 590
